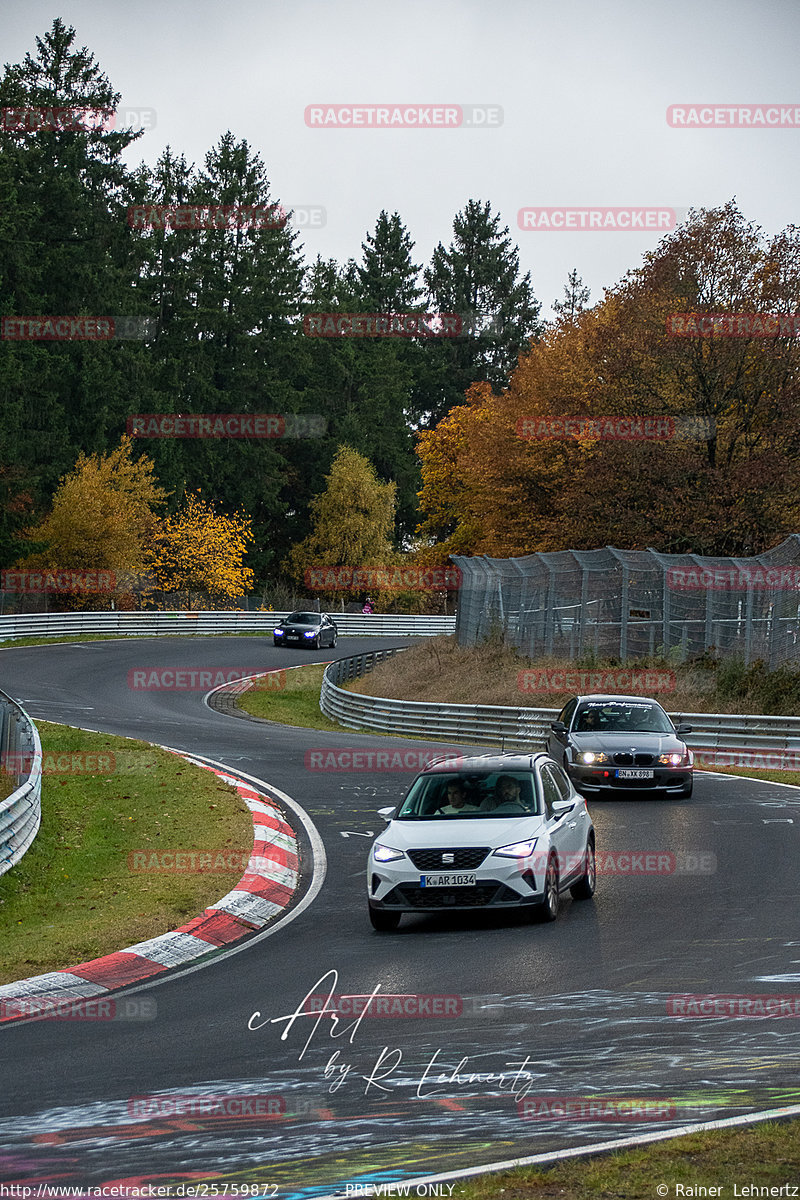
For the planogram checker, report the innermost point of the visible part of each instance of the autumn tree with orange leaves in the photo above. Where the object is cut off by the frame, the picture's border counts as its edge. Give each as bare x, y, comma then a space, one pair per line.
723, 483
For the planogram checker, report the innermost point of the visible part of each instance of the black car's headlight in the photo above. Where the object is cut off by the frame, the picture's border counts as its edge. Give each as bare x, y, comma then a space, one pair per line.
278, 632
675, 759
590, 757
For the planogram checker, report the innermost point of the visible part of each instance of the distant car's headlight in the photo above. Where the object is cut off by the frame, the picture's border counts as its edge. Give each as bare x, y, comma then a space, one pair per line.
593, 756
309, 633
518, 849
675, 759
279, 632
386, 853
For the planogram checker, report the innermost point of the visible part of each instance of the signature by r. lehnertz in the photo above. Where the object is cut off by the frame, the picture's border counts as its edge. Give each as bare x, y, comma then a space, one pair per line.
338, 1071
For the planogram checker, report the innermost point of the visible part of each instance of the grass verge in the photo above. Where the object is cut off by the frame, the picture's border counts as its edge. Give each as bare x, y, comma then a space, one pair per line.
765, 1155
76, 894
295, 704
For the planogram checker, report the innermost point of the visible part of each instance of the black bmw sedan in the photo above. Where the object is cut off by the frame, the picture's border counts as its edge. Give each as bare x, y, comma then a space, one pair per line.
621, 743
310, 629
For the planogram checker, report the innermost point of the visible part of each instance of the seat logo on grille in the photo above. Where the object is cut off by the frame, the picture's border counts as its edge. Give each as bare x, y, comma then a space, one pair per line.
448, 858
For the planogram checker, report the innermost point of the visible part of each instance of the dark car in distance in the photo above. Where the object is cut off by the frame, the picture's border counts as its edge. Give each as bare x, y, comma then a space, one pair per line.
621, 743
311, 629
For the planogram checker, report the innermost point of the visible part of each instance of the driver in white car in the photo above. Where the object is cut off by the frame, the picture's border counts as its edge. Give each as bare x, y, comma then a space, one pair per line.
456, 801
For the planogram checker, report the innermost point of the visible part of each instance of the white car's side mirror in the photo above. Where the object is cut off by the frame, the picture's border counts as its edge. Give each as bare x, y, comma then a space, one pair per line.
386, 813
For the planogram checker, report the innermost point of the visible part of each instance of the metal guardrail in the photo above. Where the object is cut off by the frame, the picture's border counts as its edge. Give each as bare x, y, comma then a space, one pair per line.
158, 624
524, 728
21, 755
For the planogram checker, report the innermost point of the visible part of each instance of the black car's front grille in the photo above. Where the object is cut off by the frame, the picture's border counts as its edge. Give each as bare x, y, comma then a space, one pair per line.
461, 897
625, 759
464, 858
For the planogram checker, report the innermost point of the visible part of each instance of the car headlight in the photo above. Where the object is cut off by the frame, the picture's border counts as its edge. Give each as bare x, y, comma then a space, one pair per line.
309, 633
674, 760
383, 853
518, 849
279, 632
593, 756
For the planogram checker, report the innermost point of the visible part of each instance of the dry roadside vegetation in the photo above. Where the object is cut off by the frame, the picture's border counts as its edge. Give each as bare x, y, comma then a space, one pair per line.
441, 671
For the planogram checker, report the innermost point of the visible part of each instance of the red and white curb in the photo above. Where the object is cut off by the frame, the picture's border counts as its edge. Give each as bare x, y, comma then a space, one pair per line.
263, 892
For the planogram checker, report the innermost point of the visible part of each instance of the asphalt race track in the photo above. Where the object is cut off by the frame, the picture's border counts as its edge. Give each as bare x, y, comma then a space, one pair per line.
574, 1010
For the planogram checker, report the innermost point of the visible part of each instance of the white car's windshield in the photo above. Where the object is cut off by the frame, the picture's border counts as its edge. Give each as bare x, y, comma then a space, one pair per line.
444, 796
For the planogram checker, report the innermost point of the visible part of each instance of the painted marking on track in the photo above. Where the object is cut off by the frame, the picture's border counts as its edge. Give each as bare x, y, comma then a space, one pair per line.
777, 821
354, 833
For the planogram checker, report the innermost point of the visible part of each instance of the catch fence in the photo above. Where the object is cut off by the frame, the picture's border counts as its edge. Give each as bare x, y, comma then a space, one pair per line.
627, 604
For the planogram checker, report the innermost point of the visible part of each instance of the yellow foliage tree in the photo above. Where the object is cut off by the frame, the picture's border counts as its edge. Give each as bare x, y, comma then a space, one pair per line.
352, 523
199, 552
102, 516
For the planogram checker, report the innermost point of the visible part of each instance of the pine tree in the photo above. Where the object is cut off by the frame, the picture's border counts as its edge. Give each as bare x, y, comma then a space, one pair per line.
478, 278
387, 278
228, 299
576, 297
66, 250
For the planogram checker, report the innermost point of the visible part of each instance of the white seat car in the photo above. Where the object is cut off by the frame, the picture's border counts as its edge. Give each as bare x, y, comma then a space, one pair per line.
493, 831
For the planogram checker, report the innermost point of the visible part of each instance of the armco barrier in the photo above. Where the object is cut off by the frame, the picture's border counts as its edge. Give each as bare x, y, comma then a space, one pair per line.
21, 812
490, 723
157, 624
520, 728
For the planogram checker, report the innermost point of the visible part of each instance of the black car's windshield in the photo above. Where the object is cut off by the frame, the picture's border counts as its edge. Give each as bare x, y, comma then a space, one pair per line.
621, 717
444, 796
299, 618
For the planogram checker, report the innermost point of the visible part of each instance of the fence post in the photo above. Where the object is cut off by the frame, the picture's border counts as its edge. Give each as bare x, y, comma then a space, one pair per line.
623, 624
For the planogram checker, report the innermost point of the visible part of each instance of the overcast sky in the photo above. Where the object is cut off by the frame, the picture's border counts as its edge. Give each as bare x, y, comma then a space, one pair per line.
584, 87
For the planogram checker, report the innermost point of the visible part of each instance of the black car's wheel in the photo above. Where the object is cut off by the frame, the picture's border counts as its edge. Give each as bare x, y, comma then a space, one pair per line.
333, 641
383, 921
315, 643
548, 910
584, 888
